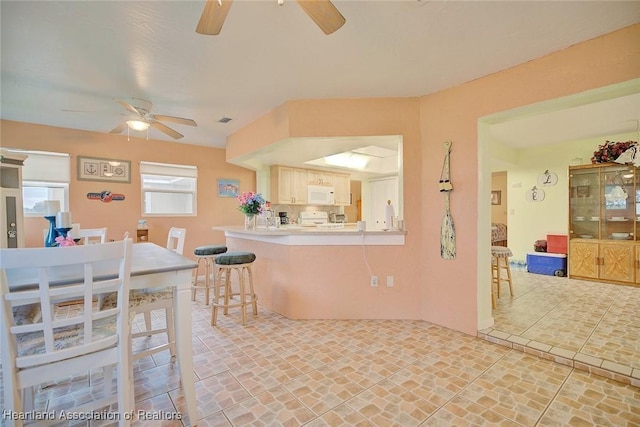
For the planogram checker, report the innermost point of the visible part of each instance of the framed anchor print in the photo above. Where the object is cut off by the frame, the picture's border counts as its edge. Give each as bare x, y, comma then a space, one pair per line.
98, 169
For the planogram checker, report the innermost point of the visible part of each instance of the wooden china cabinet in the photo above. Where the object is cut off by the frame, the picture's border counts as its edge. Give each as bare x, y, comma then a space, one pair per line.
604, 222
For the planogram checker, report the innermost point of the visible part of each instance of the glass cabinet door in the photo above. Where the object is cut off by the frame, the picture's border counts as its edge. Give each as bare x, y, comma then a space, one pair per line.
618, 202
585, 208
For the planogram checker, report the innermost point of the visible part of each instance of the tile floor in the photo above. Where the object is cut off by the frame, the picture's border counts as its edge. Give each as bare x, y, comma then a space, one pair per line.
280, 372
591, 322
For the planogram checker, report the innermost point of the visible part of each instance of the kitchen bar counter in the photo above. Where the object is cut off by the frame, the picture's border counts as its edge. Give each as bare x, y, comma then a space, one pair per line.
319, 273
293, 235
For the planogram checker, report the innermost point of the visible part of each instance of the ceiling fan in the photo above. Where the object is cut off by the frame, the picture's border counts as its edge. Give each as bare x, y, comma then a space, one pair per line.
323, 13
140, 118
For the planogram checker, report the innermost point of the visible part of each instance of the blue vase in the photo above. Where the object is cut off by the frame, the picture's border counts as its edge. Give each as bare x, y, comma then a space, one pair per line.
50, 239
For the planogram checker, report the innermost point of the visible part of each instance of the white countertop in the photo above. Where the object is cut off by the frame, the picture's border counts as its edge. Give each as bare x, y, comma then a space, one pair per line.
294, 235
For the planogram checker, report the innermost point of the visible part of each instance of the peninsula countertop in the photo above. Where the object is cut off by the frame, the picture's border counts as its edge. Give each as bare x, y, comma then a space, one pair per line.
294, 235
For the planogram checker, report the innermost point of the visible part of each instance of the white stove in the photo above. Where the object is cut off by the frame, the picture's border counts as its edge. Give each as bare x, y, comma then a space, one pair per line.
313, 218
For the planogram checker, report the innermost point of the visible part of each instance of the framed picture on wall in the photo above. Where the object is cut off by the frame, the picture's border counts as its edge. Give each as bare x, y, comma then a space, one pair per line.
582, 191
228, 187
98, 169
496, 197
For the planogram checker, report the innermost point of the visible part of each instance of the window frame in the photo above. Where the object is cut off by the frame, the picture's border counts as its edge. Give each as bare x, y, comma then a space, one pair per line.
64, 204
168, 170
57, 176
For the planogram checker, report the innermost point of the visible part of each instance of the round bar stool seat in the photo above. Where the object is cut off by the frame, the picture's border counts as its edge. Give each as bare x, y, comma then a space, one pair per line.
500, 262
240, 262
205, 255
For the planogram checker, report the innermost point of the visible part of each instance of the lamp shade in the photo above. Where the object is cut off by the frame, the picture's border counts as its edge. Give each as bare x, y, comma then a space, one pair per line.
137, 125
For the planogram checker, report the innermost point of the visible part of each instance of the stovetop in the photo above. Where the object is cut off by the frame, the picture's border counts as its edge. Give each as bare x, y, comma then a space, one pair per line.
313, 218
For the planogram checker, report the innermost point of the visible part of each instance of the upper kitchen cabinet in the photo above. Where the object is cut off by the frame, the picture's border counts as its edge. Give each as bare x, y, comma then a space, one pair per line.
315, 177
342, 189
288, 185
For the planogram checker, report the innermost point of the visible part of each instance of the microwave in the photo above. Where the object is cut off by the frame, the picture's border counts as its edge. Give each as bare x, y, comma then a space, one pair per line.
320, 195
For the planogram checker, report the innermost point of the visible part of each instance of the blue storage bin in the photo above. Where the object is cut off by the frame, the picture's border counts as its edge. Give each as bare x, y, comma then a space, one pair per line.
547, 263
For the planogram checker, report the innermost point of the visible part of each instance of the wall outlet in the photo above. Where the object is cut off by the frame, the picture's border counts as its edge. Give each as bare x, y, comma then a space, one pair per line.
389, 281
374, 280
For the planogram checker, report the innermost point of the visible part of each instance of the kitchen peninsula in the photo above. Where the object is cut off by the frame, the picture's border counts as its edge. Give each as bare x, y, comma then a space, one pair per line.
323, 273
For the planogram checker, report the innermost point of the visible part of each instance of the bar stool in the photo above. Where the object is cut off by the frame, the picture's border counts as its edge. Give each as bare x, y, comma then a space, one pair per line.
205, 255
500, 262
225, 264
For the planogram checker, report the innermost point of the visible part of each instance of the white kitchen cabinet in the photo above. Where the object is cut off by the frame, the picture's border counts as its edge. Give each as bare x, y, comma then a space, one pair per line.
342, 189
288, 185
315, 177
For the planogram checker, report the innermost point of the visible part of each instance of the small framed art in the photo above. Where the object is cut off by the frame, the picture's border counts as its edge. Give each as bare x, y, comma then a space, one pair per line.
496, 197
228, 187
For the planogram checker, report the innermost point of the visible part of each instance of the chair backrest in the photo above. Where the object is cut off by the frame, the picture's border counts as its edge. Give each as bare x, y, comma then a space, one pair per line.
60, 274
92, 235
175, 239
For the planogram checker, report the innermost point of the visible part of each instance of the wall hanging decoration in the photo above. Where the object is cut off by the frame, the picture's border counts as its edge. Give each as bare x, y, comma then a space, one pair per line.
547, 179
535, 194
105, 196
228, 187
496, 197
447, 229
631, 155
611, 150
97, 169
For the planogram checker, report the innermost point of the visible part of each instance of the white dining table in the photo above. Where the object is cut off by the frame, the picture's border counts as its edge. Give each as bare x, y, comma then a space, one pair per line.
152, 266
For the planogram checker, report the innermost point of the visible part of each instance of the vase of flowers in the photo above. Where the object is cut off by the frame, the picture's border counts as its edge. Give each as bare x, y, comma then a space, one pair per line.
251, 204
610, 151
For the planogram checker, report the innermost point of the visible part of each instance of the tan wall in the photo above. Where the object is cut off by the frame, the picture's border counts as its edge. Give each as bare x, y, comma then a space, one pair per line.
448, 288
358, 117
121, 216
427, 287
451, 287
499, 183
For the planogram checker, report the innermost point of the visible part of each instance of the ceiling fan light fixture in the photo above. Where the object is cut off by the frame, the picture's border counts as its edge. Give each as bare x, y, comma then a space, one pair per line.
137, 125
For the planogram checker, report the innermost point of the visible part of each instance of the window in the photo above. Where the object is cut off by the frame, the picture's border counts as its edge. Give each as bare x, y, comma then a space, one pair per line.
45, 176
168, 189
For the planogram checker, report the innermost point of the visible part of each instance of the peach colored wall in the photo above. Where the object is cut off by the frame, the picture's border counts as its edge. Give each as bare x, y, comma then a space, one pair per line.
448, 288
273, 126
291, 281
123, 216
451, 286
354, 117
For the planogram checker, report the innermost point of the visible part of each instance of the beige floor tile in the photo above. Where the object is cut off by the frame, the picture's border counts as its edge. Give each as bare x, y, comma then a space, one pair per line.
281, 372
461, 412
276, 407
588, 400
388, 404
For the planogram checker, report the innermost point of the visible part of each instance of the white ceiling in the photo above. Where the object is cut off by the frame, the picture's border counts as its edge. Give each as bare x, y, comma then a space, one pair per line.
80, 55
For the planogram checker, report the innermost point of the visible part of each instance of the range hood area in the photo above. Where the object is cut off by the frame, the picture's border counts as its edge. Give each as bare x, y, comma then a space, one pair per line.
362, 157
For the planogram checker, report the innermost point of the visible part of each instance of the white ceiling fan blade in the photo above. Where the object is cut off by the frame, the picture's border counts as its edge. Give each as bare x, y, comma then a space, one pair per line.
324, 14
119, 128
166, 129
213, 16
173, 119
128, 106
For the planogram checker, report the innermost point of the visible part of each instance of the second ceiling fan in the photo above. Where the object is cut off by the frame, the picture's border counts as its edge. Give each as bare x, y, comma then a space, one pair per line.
323, 13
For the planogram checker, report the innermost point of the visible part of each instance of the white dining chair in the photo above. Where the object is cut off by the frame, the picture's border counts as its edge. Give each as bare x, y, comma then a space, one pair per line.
91, 236
58, 347
145, 301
